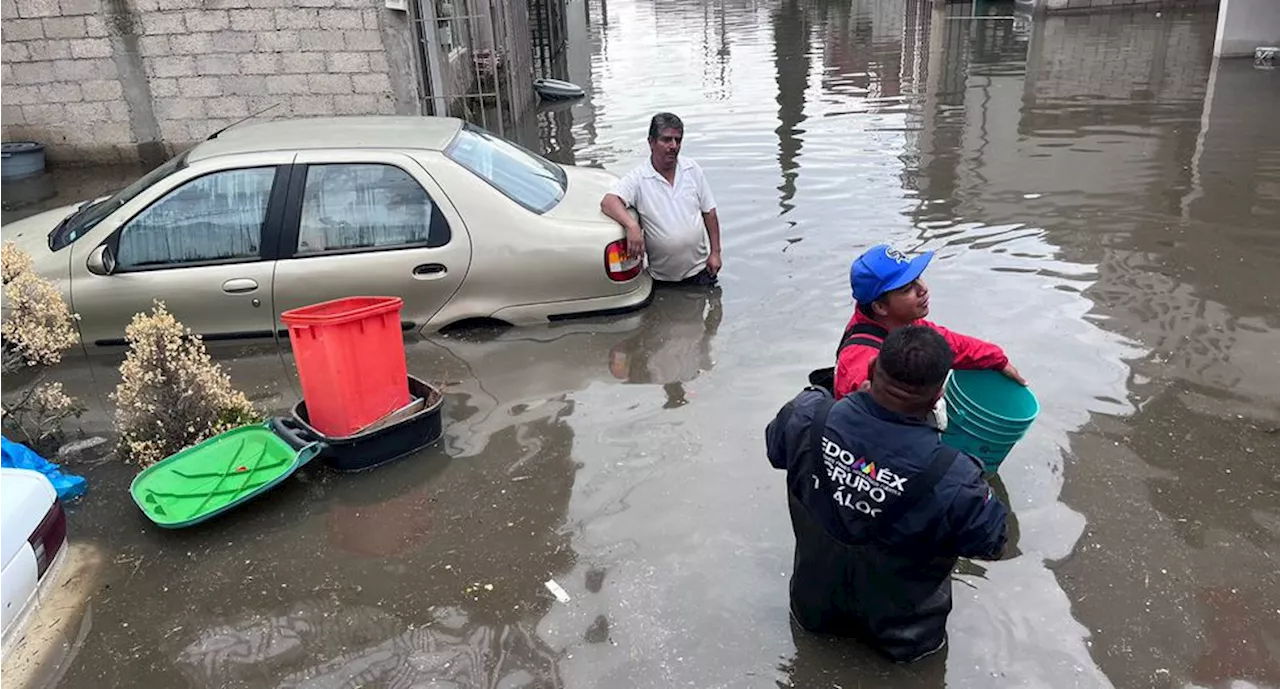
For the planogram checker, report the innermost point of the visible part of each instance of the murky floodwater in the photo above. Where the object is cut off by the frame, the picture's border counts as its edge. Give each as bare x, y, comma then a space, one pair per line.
1104, 201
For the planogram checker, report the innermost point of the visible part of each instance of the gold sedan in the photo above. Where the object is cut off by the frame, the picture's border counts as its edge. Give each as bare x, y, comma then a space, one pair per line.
263, 218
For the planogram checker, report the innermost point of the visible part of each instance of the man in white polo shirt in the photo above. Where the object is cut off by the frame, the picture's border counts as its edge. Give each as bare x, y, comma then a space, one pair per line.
678, 225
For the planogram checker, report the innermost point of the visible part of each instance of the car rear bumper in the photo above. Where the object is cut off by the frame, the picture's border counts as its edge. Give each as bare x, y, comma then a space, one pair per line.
529, 314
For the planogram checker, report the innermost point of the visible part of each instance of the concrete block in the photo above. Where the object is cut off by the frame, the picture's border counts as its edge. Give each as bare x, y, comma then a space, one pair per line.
295, 84
329, 83
71, 8
49, 49
354, 105
227, 106
378, 63
64, 27
172, 5
270, 4
8, 9
297, 19
95, 27
163, 87
199, 87
217, 64
279, 107
30, 73
115, 131
23, 29
253, 20
191, 44
362, 39
259, 63
84, 70
22, 95
371, 20
385, 105
38, 8
91, 47
172, 66
153, 46
302, 63
179, 108
86, 113
44, 114
312, 106
117, 111
61, 92
12, 114
234, 41
207, 20
140, 6
226, 4
371, 83
280, 41
175, 131
318, 4
341, 19
163, 23
321, 40
347, 63
13, 51
102, 89
244, 86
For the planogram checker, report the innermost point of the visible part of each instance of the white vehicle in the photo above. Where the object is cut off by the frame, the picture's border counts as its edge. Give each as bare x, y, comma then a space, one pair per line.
33, 533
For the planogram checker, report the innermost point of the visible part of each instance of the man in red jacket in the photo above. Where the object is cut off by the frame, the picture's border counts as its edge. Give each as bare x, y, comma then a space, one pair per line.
890, 294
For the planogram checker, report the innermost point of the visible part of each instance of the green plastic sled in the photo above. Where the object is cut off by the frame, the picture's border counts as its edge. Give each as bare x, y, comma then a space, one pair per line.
221, 473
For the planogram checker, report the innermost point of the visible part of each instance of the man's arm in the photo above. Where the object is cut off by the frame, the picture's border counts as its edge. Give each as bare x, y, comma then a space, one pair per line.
783, 435
972, 353
615, 204
977, 519
707, 204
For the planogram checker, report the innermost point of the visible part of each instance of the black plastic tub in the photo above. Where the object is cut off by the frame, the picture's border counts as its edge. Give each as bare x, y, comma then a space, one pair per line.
371, 448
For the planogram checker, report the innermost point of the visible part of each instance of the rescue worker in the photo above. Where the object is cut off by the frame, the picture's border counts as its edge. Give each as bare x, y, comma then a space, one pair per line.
889, 295
881, 509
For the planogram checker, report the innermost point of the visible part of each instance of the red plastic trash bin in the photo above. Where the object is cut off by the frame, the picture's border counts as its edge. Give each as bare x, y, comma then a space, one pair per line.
350, 356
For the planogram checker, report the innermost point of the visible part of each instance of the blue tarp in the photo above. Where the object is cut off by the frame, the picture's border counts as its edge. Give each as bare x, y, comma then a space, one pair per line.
19, 456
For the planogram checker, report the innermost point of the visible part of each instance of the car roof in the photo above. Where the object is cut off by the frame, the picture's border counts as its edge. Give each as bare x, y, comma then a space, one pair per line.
425, 133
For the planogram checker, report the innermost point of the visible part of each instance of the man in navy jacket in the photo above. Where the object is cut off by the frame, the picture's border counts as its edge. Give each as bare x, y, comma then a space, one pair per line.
881, 509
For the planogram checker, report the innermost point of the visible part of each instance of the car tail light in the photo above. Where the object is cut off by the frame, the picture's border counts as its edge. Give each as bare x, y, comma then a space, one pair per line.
49, 537
618, 265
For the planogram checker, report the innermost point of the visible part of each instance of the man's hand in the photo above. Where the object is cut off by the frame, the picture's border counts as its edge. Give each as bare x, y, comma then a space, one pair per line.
635, 242
714, 263
1012, 373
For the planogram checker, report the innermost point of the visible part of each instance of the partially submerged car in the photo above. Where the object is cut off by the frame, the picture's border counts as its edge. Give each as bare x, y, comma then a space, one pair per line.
263, 218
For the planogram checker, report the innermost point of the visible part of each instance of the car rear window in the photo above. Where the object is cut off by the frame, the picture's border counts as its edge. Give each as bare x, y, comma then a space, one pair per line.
523, 176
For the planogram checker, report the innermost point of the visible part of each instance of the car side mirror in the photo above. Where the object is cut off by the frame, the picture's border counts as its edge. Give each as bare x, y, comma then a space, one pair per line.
101, 261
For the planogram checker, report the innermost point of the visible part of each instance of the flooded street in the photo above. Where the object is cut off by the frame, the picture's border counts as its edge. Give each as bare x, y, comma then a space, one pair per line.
1105, 204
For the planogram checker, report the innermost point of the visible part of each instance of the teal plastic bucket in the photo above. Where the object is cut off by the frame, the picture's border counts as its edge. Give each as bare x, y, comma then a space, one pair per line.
990, 454
995, 397
987, 414
975, 425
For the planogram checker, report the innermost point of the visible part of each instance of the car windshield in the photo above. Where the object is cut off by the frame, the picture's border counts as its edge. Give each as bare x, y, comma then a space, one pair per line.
90, 213
525, 177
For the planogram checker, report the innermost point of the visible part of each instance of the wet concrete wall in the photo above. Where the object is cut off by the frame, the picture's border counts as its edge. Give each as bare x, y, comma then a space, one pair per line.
109, 81
1246, 24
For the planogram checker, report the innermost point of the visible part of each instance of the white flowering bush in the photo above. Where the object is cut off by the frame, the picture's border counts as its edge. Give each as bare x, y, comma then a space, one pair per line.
36, 328
171, 394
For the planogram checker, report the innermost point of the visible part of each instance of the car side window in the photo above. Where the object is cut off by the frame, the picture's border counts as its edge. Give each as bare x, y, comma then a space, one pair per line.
366, 206
217, 217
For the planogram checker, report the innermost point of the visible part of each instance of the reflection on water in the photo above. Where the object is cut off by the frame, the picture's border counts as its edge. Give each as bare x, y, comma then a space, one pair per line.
1103, 200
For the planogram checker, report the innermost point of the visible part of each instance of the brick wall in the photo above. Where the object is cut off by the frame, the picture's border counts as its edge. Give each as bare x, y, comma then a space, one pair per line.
98, 80
1103, 5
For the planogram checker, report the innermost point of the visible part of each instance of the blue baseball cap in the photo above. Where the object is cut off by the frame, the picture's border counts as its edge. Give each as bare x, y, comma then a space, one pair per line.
883, 268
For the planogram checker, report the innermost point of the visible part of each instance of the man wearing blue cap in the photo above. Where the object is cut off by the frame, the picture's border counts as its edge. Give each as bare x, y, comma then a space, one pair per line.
890, 294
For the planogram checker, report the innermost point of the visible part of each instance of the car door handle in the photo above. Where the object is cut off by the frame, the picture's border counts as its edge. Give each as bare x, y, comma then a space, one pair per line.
430, 271
239, 286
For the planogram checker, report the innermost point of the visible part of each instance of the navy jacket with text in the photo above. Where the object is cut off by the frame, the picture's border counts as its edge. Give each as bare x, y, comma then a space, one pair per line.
888, 583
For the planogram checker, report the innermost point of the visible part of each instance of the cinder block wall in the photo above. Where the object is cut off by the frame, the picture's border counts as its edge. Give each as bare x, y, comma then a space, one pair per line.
117, 80
1102, 5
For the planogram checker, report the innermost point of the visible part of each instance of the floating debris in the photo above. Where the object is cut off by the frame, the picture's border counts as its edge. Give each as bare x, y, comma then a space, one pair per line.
557, 590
